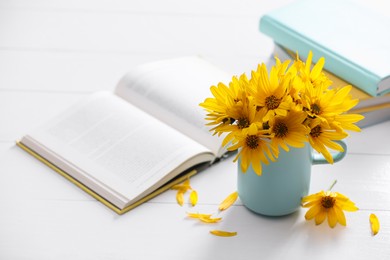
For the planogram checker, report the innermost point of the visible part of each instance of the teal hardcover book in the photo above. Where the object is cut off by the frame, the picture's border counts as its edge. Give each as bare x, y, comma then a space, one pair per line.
352, 36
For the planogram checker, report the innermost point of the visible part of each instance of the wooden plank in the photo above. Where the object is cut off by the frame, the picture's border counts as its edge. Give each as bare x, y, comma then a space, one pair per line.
108, 32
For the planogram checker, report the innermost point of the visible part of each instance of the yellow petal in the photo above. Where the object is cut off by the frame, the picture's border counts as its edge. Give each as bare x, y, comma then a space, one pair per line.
228, 201
332, 217
340, 215
193, 197
223, 233
320, 217
313, 211
374, 224
182, 186
180, 197
198, 215
209, 219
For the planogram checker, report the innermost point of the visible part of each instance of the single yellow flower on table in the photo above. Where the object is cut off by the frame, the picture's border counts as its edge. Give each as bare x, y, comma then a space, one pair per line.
328, 204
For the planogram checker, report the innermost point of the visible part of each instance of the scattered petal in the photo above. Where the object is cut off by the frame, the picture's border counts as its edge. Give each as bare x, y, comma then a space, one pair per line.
228, 201
210, 219
180, 197
223, 233
374, 224
193, 197
182, 186
198, 215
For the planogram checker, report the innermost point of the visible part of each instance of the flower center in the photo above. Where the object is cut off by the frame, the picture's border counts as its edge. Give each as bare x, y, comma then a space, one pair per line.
316, 109
266, 125
328, 202
280, 130
228, 120
252, 141
316, 131
272, 102
242, 122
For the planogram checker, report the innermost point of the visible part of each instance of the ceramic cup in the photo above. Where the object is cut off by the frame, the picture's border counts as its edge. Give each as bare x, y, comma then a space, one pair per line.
283, 183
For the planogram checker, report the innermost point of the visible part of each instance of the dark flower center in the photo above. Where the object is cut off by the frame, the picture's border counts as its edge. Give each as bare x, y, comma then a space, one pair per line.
316, 131
242, 122
252, 141
266, 125
272, 102
316, 109
280, 130
228, 120
328, 202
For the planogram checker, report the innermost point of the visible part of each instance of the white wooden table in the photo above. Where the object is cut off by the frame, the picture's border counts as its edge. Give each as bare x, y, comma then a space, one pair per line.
54, 52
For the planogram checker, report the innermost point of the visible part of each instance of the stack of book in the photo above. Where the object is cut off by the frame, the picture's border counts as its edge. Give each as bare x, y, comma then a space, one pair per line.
353, 42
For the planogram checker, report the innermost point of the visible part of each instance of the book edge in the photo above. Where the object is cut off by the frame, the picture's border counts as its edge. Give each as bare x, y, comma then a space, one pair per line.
272, 28
96, 195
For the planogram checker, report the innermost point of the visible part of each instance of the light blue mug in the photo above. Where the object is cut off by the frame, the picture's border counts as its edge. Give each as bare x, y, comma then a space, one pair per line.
283, 183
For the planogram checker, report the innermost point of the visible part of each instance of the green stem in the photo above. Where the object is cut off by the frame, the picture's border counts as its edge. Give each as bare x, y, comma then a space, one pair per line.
334, 183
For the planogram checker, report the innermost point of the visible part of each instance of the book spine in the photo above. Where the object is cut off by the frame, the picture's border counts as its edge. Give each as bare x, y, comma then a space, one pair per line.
292, 40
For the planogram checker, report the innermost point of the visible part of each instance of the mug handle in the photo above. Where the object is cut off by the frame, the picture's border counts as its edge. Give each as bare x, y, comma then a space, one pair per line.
338, 156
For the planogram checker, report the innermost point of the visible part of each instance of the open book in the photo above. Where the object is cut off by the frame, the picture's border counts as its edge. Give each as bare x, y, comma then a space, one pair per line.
126, 147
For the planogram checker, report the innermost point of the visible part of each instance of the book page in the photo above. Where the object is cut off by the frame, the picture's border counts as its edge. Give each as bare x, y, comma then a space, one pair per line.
115, 148
171, 91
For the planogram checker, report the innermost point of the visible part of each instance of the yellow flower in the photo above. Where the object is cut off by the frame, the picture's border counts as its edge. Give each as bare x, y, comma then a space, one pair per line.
327, 104
286, 107
313, 77
270, 92
226, 105
289, 130
321, 137
328, 205
244, 117
253, 144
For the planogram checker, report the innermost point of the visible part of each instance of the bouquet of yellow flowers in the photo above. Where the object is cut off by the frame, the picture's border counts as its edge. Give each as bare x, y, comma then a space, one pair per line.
290, 106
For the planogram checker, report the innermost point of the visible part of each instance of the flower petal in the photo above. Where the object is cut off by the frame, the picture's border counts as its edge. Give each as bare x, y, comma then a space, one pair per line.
223, 233
313, 211
182, 186
198, 215
340, 215
332, 217
315, 196
226, 203
209, 219
180, 197
320, 217
193, 197
374, 224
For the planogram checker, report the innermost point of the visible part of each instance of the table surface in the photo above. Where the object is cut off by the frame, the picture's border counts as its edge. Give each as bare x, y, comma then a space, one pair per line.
52, 53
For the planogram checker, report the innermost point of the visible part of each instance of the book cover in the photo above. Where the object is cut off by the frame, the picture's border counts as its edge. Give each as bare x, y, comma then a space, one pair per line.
354, 42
